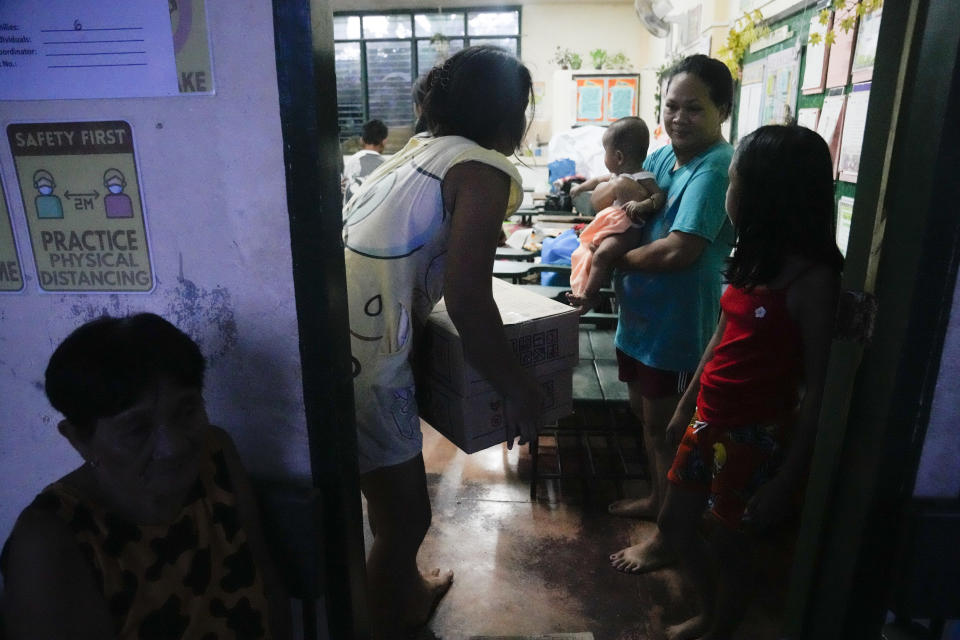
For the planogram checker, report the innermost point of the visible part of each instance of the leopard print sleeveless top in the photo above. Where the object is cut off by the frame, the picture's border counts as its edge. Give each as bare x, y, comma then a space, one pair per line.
195, 578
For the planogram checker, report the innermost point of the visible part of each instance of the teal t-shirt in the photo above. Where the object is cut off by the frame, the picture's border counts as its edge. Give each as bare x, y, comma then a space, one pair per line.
667, 318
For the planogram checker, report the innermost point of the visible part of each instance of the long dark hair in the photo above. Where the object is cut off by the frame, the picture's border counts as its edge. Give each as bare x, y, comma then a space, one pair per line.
419, 93
784, 176
479, 93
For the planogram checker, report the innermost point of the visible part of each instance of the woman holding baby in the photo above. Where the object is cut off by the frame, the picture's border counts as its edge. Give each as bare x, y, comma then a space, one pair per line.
668, 288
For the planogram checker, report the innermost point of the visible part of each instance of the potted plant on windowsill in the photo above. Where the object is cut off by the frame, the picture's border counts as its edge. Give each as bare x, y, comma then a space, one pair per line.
599, 57
567, 59
618, 61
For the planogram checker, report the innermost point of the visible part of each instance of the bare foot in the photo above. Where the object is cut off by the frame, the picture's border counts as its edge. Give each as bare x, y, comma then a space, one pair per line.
690, 630
643, 508
434, 586
643, 558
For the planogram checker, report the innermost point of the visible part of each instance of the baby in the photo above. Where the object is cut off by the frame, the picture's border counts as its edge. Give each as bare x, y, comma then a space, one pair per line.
626, 198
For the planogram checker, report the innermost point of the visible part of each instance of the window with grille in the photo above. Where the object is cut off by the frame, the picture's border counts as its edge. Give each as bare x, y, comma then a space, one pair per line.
379, 55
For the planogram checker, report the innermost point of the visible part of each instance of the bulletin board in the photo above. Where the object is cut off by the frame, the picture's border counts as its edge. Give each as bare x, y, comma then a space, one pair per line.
602, 99
832, 101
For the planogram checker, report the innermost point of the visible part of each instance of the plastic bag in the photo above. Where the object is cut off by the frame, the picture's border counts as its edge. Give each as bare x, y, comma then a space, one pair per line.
558, 251
559, 169
583, 145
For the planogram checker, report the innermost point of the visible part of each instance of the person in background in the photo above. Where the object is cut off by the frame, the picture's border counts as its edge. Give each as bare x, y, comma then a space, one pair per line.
425, 225
748, 420
156, 534
625, 199
364, 162
668, 289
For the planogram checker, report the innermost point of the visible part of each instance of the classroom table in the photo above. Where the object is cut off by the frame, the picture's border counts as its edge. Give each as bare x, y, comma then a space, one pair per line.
548, 291
566, 217
531, 216
512, 270
510, 253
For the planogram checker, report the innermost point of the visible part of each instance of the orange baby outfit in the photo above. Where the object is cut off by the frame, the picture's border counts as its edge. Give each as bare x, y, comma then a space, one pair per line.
609, 222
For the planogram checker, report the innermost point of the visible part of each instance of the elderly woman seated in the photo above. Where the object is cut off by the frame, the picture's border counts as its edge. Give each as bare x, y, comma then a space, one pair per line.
156, 534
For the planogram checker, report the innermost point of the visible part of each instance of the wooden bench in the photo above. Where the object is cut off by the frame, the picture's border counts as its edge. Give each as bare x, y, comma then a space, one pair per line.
600, 406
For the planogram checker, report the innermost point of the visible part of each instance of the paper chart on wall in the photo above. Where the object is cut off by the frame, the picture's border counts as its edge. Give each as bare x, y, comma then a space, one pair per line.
780, 81
854, 122
830, 123
865, 53
590, 94
191, 45
808, 117
85, 49
844, 218
621, 98
750, 103
11, 274
841, 51
815, 71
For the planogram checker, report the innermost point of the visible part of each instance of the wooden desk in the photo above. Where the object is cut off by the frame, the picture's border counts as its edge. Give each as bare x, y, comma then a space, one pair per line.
509, 253
511, 269
566, 217
529, 216
548, 291
601, 406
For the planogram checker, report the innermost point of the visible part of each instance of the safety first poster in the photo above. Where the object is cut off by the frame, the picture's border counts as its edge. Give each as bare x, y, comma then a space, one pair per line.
84, 210
11, 278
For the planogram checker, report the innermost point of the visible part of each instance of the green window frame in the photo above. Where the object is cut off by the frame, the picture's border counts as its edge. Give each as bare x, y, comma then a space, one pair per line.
379, 54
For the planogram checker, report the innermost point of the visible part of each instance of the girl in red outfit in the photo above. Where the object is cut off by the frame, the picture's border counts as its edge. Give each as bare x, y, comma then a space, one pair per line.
749, 419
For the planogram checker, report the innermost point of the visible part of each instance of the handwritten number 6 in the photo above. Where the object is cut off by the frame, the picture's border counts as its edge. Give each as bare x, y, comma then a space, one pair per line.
77, 26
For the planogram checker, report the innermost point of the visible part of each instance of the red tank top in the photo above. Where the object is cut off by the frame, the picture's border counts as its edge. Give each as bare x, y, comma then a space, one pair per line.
755, 371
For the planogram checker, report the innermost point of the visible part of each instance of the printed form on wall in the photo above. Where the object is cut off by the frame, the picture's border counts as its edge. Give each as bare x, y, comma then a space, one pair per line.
815, 69
830, 123
191, 45
841, 51
780, 79
854, 123
865, 53
621, 98
85, 49
11, 275
750, 106
808, 117
590, 100
844, 218
83, 204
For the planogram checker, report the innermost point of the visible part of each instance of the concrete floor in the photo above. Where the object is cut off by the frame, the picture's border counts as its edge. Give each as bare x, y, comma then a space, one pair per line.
530, 569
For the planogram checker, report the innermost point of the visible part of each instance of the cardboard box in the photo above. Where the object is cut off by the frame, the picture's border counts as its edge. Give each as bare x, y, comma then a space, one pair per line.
476, 422
543, 333
458, 402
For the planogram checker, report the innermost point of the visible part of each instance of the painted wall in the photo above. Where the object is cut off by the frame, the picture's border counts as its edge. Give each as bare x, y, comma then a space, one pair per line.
582, 28
212, 174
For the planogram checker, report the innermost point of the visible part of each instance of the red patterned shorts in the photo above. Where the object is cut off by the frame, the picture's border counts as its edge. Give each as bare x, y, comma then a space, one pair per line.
729, 464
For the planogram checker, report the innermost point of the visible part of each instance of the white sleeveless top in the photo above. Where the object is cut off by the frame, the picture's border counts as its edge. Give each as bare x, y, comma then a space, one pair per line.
395, 232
